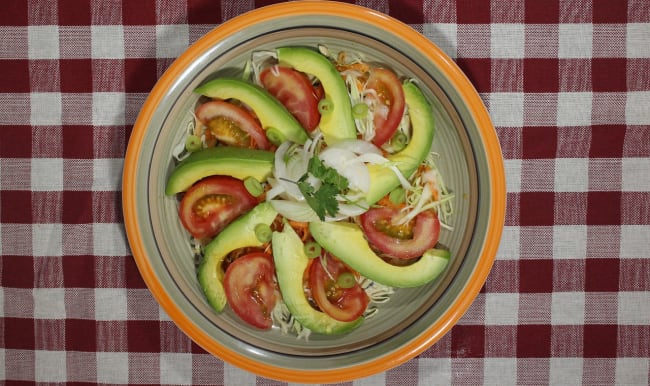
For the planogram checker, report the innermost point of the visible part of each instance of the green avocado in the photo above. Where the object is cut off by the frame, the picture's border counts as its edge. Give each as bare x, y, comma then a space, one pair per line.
238, 234
290, 264
270, 112
346, 241
382, 179
221, 160
337, 122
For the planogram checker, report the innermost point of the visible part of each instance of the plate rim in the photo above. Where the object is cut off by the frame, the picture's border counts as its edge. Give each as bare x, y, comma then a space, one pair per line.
475, 107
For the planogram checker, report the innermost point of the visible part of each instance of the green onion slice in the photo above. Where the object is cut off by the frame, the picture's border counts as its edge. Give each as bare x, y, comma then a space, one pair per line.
325, 105
346, 280
253, 186
263, 233
193, 143
360, 110
312, 249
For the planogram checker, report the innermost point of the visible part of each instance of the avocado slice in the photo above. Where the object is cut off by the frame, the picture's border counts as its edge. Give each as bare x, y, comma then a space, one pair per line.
382, 179
270, 112
346, 241
290, 264
337, 123
221, 160
238, 234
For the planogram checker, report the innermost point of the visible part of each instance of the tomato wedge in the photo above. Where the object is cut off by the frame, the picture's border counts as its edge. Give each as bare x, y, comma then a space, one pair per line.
251, 288
343, 304
232, 125
212, 203
398, 241
294, 90
388, 101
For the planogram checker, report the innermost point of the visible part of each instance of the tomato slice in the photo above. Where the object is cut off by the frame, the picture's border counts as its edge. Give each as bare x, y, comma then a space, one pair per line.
212, 203
389, 104
232, 125
294, 90
344, 304
399, 241
250, 288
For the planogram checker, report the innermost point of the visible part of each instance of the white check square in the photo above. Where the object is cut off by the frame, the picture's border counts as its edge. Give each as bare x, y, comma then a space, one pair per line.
632, 371
47, 239
107, 174
47, 174
501, 309
634, 308
176, 368
513, 175
507, 109
569, 242
637, 40
571, 174
567, 308
574, 109
109, 239
49, 303
510, 244
108, 108
107, 42
635, 242
110, 304
636, 107
575, 41
46, 108
565, 371
112, 367
43, 42
500, 371
171, 40
507, 40
444, 35
50, 366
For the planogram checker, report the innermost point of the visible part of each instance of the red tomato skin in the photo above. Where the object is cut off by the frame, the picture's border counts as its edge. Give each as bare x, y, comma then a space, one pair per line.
425, 233
250, 288
391, 94
294, 90
350, 303
236, 201
240, 116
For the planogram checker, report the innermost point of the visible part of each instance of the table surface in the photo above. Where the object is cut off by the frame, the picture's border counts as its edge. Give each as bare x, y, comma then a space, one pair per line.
566, 83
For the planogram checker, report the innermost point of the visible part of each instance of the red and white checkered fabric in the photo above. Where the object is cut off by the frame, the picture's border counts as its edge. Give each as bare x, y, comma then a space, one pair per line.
567, 84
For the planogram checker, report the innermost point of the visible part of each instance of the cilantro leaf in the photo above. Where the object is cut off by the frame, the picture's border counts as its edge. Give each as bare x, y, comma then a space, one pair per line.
322, 201
327, 174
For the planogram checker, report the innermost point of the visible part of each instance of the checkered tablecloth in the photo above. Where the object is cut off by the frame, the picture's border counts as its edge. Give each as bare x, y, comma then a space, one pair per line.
567, 84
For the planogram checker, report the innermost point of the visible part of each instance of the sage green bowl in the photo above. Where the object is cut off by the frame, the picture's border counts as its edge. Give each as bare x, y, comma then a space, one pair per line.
470, 160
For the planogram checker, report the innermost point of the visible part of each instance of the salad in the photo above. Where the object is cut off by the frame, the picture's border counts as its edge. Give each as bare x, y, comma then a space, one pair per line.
309, 190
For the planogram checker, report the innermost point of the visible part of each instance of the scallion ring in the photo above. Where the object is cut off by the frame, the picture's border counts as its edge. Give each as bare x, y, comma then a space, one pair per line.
275, 136
346, 280
263, 232
253, 186
399, 141
325, 106
312, 249
360, 110
193, 143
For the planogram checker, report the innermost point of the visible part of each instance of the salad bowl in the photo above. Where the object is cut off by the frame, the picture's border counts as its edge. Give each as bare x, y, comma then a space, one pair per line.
413, 318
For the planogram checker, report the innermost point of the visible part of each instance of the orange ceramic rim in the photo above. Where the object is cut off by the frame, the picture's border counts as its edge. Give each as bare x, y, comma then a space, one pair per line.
495, 167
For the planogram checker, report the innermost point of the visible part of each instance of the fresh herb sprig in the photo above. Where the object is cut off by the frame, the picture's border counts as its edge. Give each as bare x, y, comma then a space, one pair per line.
322, 200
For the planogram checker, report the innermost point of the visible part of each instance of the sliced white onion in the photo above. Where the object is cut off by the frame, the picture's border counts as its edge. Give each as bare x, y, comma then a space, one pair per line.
286, 172
296, 211
346, 164
357, 146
